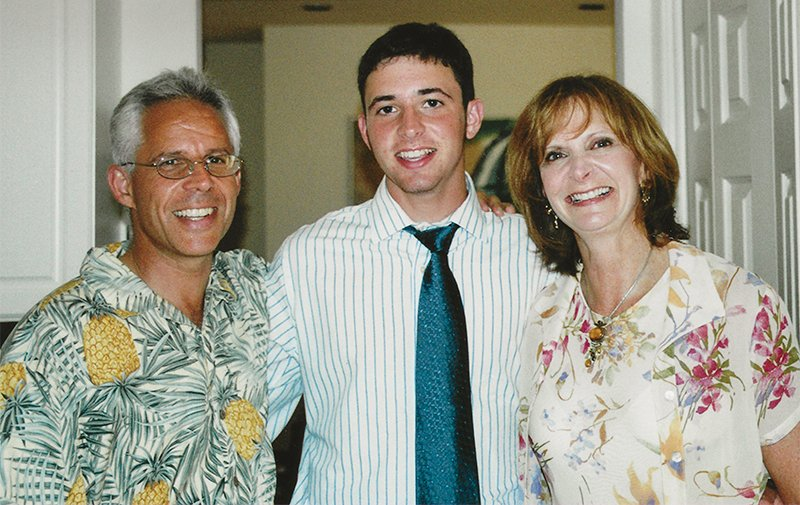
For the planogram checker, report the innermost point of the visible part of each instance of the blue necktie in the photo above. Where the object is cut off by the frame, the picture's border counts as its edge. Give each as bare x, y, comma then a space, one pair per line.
447, 470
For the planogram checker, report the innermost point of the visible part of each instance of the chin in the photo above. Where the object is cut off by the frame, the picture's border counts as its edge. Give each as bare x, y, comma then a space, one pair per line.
201, 248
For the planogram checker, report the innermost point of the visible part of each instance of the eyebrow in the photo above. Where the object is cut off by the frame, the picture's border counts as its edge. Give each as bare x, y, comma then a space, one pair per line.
420, 92
182, 154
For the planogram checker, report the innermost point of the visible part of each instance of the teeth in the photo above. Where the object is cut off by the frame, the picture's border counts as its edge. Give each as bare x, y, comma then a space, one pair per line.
415, 154
580, 197
194, 213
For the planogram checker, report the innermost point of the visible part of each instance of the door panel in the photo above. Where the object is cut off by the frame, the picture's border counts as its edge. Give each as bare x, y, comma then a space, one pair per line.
783, 104
740, 136
698, 122
730, 129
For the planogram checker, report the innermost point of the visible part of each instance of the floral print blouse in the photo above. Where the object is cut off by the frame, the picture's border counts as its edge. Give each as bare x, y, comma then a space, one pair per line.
111, 395
688, 384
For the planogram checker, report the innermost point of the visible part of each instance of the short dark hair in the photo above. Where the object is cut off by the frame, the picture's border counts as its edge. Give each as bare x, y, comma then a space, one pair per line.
636, 127
429, 43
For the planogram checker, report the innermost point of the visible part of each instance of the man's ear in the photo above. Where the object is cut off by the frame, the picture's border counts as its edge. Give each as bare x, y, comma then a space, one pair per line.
362, 128
119, 181
238, 182
474, 117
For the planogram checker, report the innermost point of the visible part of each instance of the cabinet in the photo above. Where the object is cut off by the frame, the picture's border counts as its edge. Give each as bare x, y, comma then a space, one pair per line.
64, 65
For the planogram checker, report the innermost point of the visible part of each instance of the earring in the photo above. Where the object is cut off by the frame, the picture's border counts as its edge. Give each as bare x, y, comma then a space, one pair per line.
550, 212
644, 193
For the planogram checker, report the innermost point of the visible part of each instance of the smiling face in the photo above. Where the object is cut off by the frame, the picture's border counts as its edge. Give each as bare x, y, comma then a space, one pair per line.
415, 125
591, 179
179, 219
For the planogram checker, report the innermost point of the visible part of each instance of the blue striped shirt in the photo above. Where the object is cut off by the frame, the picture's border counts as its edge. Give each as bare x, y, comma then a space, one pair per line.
343, 306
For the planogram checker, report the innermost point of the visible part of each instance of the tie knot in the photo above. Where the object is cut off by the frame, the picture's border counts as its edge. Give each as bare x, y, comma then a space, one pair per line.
437, 240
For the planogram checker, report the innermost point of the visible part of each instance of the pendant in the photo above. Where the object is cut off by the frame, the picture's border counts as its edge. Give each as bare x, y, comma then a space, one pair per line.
597, 333
596, 336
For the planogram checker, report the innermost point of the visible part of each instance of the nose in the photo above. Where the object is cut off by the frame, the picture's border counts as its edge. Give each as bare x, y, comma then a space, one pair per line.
580, 165
199, 178
411, 126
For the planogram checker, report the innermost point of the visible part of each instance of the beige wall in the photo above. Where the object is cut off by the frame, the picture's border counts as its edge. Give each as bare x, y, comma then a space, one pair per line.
311, 101
237, 68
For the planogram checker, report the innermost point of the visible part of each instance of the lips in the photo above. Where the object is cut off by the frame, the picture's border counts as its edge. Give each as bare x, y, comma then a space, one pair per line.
415, 154
576, 198
194, 214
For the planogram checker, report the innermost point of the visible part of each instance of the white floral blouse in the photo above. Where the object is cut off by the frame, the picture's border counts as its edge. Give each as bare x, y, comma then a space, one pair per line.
688, 385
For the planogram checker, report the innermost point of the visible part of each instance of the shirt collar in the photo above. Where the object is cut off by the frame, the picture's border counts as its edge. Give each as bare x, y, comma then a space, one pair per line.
104, 269
388, 218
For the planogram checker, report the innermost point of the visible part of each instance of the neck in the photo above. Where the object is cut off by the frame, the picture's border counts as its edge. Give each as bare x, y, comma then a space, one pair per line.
181, 283
616, 275
434, 203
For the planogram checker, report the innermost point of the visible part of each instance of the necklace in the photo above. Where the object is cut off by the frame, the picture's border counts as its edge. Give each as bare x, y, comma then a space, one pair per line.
598, 332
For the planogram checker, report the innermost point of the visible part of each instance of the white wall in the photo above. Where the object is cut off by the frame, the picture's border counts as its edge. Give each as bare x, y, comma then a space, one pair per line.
312, 100
134, 40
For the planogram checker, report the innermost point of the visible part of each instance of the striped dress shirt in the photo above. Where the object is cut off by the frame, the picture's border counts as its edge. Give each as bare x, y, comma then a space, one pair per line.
343, 295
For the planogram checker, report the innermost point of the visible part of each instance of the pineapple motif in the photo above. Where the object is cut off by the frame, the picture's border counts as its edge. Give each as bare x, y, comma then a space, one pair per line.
11, 374
113, 247
58, 291
155, 493
226, 286
244, 426
77, 495
108, 345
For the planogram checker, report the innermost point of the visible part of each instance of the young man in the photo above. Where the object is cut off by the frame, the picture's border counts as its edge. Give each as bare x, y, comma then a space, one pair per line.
141, 380
346, 293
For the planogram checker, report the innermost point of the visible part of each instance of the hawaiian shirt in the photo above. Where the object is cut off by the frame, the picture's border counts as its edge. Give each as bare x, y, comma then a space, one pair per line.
111, 395
687, 386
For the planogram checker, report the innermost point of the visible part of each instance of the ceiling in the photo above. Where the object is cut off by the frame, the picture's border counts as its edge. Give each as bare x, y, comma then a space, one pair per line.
243, 19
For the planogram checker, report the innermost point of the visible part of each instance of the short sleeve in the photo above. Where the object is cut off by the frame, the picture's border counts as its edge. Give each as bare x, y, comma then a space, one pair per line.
774, 363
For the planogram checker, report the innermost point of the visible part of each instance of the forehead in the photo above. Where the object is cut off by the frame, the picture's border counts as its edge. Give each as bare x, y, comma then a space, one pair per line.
573, 118
179, 110
183, 118
410, 71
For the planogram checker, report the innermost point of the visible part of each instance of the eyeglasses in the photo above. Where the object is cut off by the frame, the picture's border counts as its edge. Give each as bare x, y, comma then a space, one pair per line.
218, 165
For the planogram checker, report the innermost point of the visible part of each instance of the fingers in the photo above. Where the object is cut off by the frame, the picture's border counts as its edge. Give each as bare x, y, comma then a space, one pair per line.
492, 203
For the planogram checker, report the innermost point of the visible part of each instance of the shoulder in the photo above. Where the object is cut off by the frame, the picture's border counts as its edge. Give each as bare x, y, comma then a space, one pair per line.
738, 288
509, 230
695, 261
557, 292
243, 272
345, 224
240, 262
52, 329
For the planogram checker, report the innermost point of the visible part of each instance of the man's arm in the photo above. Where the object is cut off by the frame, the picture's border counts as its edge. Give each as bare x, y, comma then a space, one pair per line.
39, 413
284, 380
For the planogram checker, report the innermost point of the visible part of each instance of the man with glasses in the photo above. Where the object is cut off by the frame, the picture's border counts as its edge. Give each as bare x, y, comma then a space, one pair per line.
142, 379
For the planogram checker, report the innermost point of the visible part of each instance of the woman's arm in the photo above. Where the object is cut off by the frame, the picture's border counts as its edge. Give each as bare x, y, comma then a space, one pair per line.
782, 460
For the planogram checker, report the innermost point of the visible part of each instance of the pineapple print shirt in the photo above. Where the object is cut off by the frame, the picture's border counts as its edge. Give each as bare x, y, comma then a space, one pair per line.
111, 395
688, 385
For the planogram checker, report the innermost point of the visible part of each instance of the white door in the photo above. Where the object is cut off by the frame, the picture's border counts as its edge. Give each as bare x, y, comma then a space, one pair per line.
732, 118
64, 67
740, 141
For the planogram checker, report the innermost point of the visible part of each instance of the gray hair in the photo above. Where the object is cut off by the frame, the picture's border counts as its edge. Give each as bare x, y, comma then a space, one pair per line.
126, 121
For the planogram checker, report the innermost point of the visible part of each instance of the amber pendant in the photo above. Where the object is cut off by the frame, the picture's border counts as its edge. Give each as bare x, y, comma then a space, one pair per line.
596, 336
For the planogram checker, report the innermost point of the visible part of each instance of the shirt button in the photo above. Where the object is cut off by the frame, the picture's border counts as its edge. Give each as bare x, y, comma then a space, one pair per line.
669, 395
676, 457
